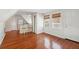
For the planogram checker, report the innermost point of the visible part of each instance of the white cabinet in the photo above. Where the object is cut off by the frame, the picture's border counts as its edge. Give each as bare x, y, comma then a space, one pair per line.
71, 22
68, 26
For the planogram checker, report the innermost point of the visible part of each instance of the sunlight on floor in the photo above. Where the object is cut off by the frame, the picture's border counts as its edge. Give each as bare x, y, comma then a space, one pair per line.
51, 44
47, 43
55, 46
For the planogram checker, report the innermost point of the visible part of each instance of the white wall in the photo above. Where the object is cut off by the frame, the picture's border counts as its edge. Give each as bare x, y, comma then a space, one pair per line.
71, 21
11, 24
69, 27
4, 15
2, 34
39, 23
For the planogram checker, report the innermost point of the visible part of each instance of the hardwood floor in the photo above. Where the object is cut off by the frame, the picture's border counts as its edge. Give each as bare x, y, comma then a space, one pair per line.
60, 43
14, 40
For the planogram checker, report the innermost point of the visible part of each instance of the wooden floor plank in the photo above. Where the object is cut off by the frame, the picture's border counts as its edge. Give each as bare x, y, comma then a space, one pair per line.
30, 40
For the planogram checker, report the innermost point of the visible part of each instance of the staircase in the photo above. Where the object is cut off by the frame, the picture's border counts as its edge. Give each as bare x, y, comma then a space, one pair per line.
23, 25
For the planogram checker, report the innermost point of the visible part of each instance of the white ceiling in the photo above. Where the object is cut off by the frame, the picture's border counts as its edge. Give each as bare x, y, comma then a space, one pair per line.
6, 13
37, 10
